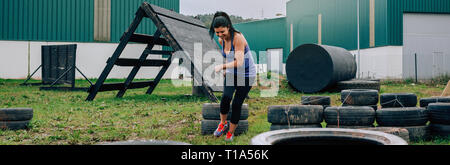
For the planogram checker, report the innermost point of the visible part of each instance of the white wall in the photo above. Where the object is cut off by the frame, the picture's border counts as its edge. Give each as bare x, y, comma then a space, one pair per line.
90, 59
428, 36
381, 62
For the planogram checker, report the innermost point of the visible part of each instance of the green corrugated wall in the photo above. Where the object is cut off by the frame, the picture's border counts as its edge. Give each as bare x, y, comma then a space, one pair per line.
265, 34
123, 11
67, 20
397, 7
47, 20
339, 22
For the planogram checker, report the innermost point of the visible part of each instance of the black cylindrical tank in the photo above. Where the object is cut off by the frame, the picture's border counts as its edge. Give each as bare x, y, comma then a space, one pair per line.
312, 68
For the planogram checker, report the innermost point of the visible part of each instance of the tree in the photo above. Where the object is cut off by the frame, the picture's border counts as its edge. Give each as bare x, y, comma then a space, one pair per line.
207, 19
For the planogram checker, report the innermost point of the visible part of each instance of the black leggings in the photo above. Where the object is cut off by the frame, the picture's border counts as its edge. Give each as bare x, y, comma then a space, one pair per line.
241, 90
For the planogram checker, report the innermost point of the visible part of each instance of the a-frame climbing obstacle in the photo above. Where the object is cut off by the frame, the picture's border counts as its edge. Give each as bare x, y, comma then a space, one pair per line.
179, 32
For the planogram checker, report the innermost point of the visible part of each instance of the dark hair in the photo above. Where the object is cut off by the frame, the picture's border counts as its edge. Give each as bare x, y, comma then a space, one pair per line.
221, 19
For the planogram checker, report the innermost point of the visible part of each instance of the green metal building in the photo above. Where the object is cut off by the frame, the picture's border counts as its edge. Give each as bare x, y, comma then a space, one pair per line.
263, 35
334, 22
72, 20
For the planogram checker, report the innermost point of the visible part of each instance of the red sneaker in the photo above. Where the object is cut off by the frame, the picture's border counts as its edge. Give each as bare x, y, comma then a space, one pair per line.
229, 137
221, 129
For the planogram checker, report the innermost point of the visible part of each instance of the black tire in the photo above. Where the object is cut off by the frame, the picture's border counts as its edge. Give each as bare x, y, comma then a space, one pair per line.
418, 133
297, 114
326, 136
375, 107
359, 97
14, 125
209, 126
350, 116
439, 113
274, 127
425, 101
16, 114
410, 116
358, 84
394, 100
212, 112
440, 130
316, 100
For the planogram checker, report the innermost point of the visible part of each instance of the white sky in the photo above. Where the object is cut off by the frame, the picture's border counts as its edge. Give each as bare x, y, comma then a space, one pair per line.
245, 8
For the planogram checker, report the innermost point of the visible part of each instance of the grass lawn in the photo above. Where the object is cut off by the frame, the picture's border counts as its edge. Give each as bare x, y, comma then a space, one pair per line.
168, 114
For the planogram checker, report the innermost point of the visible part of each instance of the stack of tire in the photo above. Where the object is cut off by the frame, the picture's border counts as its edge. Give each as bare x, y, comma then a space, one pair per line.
440, 119
15, 118
400, 110
357, 110
211, 119
324, 101
295, 116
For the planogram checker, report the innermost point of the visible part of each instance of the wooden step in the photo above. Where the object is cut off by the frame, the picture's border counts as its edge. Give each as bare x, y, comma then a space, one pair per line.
147, 39
159, 52
146, 63
120, 86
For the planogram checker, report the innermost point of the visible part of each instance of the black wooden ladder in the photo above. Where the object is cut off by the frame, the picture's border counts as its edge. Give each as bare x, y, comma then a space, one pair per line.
151, 41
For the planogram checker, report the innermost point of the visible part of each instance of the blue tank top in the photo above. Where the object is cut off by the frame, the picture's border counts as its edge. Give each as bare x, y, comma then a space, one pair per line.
249, 65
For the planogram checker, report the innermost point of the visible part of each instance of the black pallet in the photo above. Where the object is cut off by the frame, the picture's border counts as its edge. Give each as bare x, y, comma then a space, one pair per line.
58, 67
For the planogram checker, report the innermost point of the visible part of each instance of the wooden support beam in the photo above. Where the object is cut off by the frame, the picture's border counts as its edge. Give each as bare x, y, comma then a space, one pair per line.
446, 90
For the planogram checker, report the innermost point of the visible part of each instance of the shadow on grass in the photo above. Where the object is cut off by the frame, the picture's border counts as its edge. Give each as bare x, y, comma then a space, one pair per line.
156, 98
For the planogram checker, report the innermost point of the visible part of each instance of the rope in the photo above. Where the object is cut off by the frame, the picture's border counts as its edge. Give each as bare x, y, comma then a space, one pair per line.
395, 100
287, 116
338, 109
338, 112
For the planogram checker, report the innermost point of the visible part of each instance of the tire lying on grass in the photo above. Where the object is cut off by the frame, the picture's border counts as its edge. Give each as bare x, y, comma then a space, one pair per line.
209, 126
359, 97
393, 100
16, 114
358, 84
326, 136
439, 113
409, 116
14, 125
212, 112
15, 118
350, 116
440, 130
425, 101
417, 133
295, 114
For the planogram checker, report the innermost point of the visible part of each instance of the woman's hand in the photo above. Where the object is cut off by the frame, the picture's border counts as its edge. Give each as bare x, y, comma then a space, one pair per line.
218, 68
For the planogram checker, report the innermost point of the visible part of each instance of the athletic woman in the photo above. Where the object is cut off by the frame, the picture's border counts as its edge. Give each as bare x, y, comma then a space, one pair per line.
240, 72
